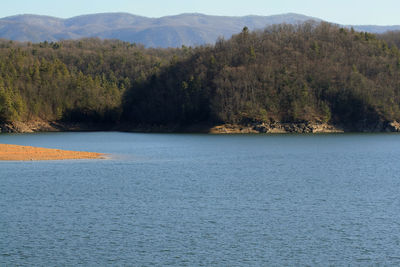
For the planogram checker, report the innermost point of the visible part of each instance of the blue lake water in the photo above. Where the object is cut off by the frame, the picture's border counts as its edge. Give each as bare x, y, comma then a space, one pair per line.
203, 200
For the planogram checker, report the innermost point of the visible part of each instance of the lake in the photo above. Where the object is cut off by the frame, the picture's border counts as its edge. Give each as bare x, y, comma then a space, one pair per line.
203, 200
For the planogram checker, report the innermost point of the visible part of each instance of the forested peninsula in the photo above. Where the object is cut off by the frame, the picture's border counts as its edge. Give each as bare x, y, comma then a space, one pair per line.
314, 77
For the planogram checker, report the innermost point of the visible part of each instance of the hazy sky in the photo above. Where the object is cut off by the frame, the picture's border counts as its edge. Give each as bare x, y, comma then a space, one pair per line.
383, 12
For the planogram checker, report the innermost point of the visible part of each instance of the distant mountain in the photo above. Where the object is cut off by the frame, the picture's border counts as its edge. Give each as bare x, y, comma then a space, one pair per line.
375, 28
170, 31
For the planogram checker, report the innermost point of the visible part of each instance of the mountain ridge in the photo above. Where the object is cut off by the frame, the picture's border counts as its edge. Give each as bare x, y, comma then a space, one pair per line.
187, 29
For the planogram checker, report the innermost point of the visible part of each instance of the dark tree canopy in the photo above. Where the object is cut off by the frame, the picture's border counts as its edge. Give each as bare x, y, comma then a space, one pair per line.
286, 73
310, 72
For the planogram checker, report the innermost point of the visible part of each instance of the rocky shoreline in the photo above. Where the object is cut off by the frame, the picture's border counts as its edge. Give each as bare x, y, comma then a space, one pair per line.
305, 127
51, 126
276, 128
252, 128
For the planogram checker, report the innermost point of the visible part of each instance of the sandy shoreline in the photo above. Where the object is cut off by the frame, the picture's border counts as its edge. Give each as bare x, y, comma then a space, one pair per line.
28, 153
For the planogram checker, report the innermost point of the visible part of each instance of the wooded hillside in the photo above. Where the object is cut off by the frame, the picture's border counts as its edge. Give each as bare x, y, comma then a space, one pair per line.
285, 73
312, 72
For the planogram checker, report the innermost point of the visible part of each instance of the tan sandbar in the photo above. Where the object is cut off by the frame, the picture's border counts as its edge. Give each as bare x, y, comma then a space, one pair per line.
25, 153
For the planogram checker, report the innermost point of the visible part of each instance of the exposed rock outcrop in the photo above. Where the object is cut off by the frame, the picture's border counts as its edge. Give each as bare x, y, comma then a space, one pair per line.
29, 127
251, 128
393, 126
51, 126
277, 127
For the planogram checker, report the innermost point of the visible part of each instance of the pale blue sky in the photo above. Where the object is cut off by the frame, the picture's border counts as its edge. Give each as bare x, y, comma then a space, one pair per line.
383, 12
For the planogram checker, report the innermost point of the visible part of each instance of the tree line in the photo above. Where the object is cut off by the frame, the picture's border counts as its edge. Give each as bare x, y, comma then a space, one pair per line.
76, 81
315, 72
